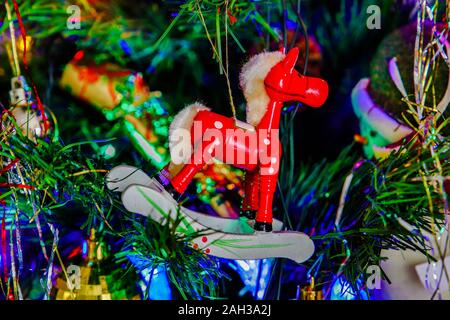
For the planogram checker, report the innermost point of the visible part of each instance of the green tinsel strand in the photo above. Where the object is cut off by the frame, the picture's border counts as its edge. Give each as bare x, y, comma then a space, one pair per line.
381, 196
151, 245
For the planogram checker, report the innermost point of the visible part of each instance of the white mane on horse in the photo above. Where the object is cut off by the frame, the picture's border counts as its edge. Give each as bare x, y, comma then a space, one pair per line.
252, 83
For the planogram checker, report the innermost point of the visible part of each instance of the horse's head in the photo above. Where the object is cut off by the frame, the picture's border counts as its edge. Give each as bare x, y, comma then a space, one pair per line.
284, 83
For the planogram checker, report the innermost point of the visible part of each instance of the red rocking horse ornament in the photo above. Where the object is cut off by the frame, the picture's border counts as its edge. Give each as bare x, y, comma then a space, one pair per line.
198, 135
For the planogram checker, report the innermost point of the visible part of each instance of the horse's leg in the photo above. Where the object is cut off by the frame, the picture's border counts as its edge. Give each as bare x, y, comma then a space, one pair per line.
267, 187
202, 155
250, 202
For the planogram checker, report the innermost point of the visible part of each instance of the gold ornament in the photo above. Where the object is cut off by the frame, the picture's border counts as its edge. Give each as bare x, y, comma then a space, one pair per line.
86, 283
310, 292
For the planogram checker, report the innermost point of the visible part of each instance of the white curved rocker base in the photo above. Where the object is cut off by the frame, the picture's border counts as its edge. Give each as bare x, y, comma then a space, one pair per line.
220, 237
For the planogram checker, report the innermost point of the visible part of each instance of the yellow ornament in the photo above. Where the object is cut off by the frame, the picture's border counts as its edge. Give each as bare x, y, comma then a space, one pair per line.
85, 282
310, 292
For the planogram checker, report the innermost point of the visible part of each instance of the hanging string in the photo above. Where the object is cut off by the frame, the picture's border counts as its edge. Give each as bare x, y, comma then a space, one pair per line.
25, 63
224, 70
268, 21
305, 33
290, 123
233, 109
285, 32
